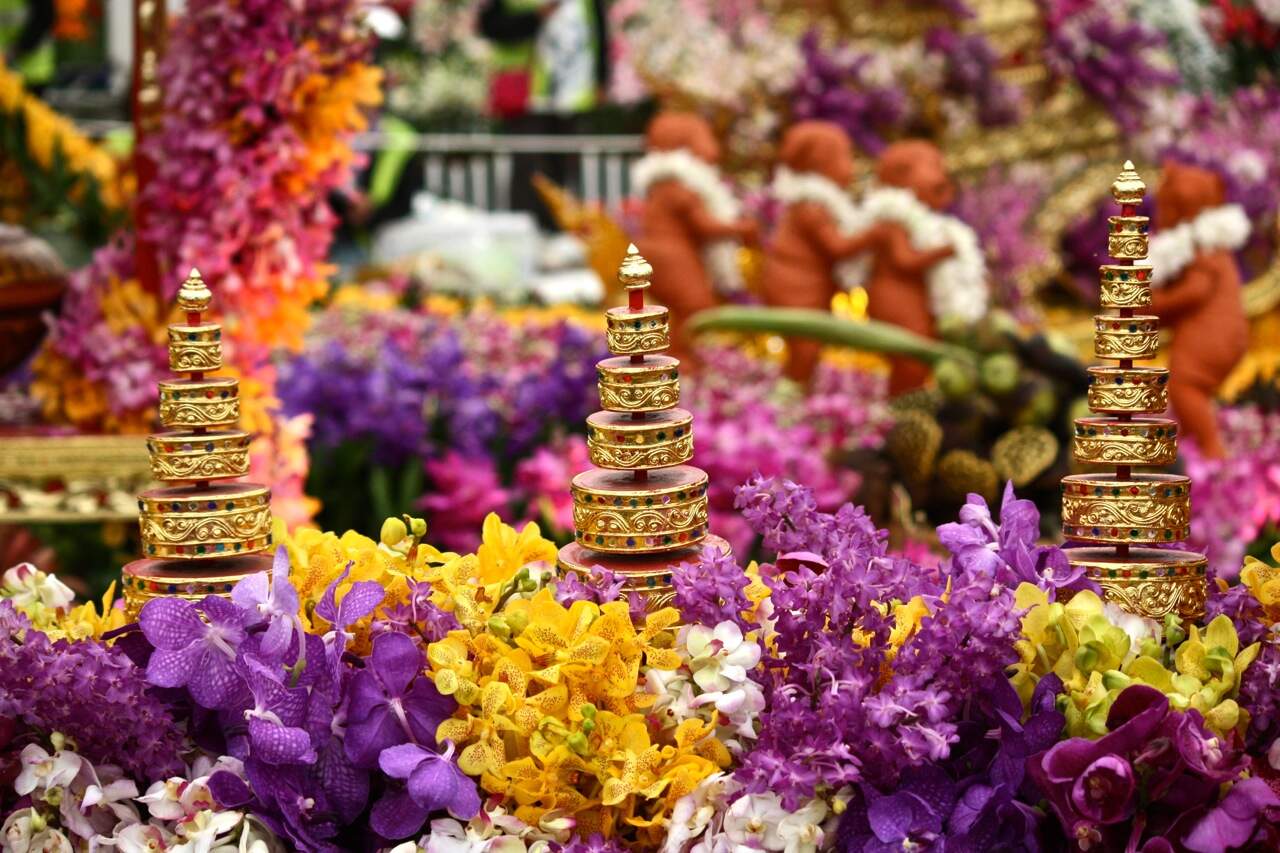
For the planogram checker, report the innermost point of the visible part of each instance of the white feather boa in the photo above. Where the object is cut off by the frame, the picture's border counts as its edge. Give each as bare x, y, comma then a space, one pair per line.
704, 181
1171, 250
957, 285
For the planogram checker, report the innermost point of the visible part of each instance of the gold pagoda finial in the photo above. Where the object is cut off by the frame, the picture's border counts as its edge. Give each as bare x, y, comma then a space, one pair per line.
641, 510
1128, 187
206, 528
635, 271
194, 295
1123, 513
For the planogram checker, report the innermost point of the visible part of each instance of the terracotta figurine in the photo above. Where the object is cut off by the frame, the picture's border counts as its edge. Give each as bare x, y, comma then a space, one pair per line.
692, 223
928, 266
1198, 293
821, 228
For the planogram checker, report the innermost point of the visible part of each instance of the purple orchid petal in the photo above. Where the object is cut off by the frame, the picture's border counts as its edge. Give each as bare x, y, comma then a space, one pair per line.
327, 608
426, 708
229, 790
216, 683
284, 598
1232, 823
1103, 793
397, 815
346, 785
399, 762
173, 668
360, 601
278, 744
170, 624
250, 592
396, 659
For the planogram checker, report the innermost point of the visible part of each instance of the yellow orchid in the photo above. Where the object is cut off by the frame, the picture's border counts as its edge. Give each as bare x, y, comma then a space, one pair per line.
1050, 636
1264, 582
550, 703
84, 621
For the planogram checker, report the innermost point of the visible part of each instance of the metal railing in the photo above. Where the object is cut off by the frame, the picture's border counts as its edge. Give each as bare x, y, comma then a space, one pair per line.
478, 168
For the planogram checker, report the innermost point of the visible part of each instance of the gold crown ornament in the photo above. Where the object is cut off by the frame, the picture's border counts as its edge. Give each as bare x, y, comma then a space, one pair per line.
642, 510
204, 530
1123, 514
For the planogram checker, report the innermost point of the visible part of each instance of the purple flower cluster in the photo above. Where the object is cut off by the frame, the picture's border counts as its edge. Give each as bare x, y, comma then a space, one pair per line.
976, 800
712, 590
1000, 206
969, 70
419, 383
1111, 55
308, 723
841, 707
1161, 765
88, 691
833, 85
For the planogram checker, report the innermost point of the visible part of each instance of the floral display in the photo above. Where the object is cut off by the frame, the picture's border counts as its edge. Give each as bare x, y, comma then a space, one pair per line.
487, 397
838, 696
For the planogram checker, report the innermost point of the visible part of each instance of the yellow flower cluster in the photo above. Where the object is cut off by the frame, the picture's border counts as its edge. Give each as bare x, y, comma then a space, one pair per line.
1096, 660
49, 132
82, 622
551, 710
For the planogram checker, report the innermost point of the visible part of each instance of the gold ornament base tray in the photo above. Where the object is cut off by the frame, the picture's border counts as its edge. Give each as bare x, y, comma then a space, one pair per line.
1150, 582
146, 579
647, 574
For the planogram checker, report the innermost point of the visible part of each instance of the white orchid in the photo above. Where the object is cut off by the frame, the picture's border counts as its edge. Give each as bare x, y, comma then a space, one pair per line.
759, 821
25, 831
204, 833
26, 585
42, 771
720, 657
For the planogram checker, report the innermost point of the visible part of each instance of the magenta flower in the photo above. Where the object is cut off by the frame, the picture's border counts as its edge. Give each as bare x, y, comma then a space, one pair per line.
390, 703
1103, 793
433, 782
195, 653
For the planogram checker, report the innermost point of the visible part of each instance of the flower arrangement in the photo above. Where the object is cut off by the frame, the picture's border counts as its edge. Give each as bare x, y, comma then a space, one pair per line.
839, 696
483, 395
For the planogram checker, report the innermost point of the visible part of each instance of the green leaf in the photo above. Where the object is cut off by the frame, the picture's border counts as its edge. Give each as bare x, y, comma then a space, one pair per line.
867, 335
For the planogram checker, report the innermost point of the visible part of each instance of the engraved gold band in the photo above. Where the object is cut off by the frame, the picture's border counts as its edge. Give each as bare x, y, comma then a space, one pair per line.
1127, 237
177, 456
1126, 337
651, 386
193, 348
1149, 582
653, 519
199, 402
1135, 390
1141, 509
664, 439
1124, 286
646, 330
224, 521
1108, 441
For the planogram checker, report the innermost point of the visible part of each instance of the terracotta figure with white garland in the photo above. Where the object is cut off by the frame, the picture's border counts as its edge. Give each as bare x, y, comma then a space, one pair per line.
1197, 293
692, 223
821, 230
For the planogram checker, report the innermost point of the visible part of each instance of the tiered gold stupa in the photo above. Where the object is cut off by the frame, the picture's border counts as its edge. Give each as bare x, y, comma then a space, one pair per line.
1123, 511
200, 533
642, 510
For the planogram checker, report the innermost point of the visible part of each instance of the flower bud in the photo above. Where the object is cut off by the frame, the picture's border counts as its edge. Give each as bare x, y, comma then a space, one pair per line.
498, 625
418, 526
588, 726
393, 532
518, 620
587, 710
578, 743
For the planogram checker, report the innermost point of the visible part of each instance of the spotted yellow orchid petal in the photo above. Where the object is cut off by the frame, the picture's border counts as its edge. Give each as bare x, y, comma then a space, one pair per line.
666, 659
494, 698
614, 791
454, 730
481, 757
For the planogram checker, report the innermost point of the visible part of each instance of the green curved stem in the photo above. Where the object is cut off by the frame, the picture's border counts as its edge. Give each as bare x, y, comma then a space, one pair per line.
868, 335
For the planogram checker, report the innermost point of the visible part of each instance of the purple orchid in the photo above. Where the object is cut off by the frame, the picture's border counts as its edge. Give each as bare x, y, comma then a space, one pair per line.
195, 653
361, 600
1163, 759
1239, 820
432, 782
389, 704
274, 601
276, 735
1008, 549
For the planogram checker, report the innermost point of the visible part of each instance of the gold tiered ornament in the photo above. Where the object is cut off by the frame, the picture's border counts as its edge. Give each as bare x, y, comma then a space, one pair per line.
1122, 514
642, 510
204, 530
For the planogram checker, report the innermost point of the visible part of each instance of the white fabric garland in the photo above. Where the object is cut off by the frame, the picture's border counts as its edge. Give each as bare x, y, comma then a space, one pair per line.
1171, 250
957, 285
704, 181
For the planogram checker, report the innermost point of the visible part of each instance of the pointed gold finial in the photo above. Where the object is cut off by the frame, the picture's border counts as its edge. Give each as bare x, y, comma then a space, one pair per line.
635, 271
1128, 188
194, 295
